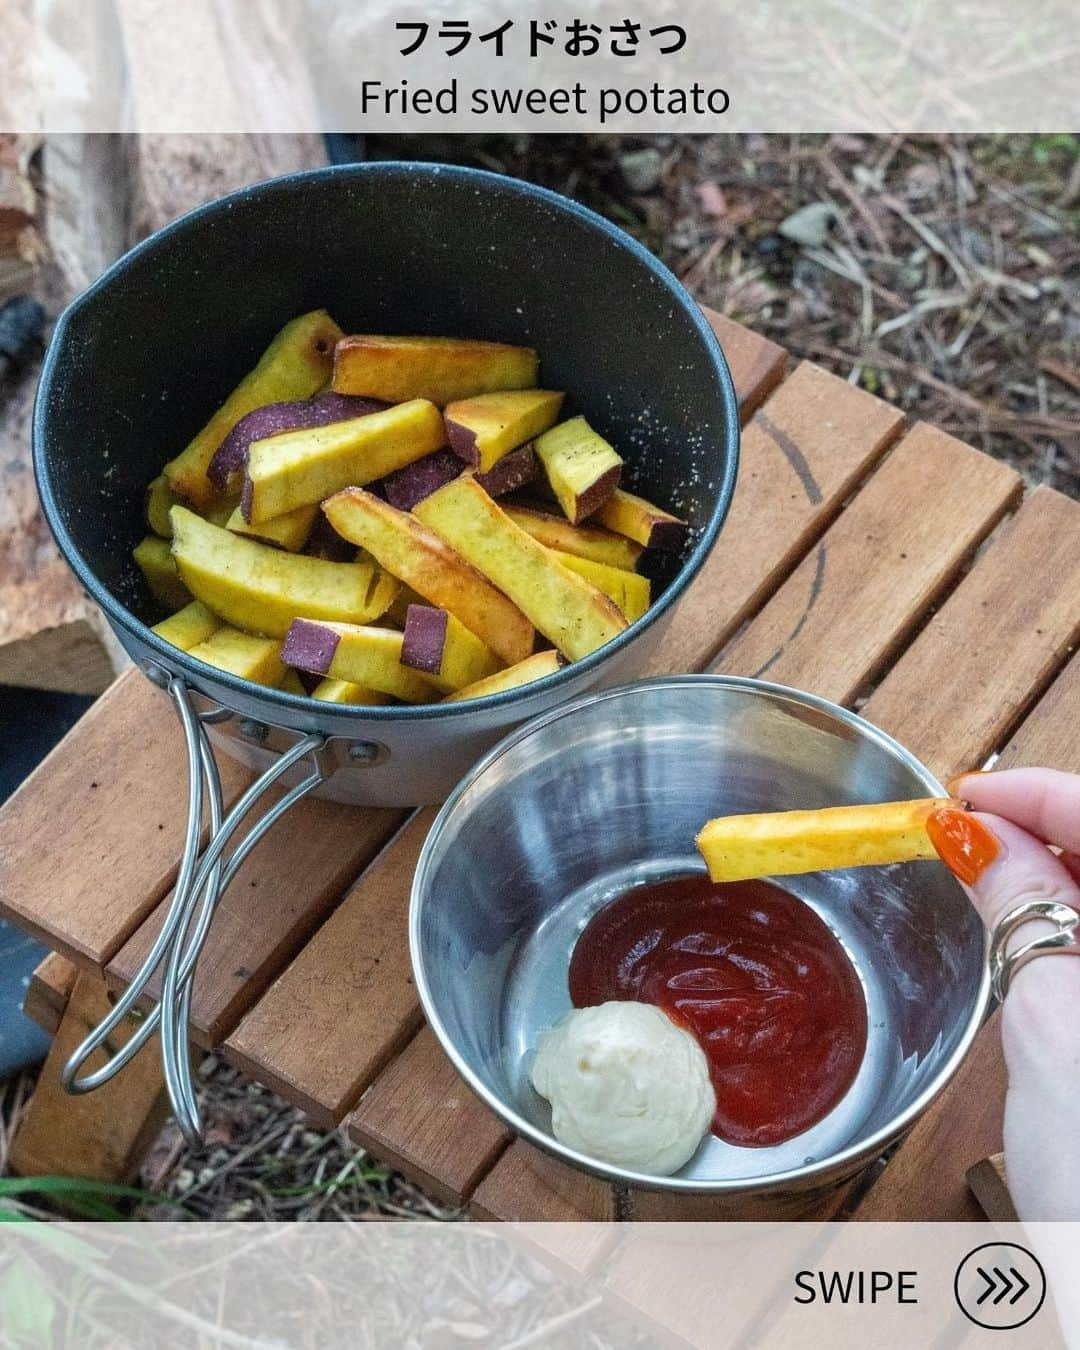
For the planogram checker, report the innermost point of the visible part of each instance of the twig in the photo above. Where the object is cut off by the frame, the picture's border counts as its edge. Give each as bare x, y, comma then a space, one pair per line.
544, 1331
929, 238
1060, 371
150, 1298
858, 205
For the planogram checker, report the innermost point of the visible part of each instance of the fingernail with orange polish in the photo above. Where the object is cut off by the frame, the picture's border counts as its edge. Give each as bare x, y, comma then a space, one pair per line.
963, 843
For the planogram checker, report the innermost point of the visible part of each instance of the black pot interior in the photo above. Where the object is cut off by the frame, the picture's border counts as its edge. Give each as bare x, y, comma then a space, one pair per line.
147, 354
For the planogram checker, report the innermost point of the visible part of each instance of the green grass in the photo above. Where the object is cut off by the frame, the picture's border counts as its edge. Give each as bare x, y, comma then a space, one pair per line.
78, 1198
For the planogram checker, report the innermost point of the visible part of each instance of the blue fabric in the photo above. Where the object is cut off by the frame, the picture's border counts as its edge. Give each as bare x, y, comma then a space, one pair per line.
31, 723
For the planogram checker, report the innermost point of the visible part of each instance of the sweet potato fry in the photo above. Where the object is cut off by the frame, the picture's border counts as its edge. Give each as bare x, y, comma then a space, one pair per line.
405, 487
629, 590
188, 626
533, 668
783, 843
341, 691
427, 564
156, 562
586, 541
219, 512
582, 468
296, 364
293, 684
250, 658
397, 369
262, 589
438, 646
484, 429
641, 521
226, 469
515, 470
571, 613
160, 499
361, 655
301, 467
290, 531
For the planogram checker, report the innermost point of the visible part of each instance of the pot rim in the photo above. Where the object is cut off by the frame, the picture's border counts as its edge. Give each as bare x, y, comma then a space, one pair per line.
288, 706
823, 1169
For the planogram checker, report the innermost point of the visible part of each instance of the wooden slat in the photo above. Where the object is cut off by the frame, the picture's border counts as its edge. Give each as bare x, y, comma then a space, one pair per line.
1003, 633
421, 1104
801, 456
990, 1187
90, 842
844, 613
280, 895
1050, 734
756, 364
101, 1135
347, 1003
925, 1178
528, 1186
49, 990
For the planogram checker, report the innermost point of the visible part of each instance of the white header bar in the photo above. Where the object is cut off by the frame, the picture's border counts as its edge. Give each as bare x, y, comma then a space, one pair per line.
500, 65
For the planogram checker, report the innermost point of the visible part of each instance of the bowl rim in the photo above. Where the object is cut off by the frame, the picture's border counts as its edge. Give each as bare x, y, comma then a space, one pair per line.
171, 657
821, 1170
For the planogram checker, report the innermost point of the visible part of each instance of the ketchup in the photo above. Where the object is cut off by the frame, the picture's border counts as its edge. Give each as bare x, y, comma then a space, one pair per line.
759, 980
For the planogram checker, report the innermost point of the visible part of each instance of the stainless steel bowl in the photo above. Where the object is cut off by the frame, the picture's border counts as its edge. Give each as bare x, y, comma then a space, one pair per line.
603, 794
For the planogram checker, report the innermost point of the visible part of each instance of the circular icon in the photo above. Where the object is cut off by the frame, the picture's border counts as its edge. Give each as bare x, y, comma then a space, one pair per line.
1000, 1286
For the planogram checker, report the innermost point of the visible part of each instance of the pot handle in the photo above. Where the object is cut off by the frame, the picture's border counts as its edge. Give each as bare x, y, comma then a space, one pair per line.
203, 875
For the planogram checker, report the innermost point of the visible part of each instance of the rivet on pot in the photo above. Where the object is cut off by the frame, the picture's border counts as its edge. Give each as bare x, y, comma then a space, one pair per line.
252, 730
367, 752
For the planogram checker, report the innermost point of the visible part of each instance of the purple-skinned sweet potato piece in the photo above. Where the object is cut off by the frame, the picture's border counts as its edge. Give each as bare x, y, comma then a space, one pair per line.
485, 428
309, 646
444, 650
425, 638
582, 469
405, 487
640, 520
513, 471
274, 419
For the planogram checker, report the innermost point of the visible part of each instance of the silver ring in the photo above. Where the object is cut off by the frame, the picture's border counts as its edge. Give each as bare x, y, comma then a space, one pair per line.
1004, 964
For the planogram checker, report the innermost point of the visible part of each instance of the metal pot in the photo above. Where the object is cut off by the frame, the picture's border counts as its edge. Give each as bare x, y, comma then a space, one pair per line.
139, 361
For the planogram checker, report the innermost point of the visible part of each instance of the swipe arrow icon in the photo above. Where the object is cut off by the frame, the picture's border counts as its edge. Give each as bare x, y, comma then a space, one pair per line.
1001, 1286
990, 1287
1023, 1285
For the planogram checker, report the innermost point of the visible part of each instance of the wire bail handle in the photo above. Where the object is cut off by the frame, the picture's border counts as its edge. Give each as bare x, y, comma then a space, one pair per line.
203, 877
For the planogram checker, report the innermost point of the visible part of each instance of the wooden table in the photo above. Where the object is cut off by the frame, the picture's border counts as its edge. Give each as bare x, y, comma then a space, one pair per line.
889, 568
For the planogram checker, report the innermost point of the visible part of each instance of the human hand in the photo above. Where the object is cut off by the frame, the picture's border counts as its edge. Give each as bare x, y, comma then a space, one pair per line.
999, 852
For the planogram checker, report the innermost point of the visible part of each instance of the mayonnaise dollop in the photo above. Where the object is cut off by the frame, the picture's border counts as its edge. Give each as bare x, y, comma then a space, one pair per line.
626, 1086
